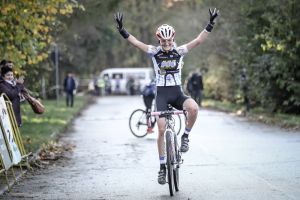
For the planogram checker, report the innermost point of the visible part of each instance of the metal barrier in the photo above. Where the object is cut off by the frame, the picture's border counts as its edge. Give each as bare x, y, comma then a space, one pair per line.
12, 151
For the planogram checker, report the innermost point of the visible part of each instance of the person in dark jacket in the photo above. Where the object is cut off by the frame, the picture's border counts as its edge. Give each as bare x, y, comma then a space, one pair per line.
12, 89
2, 63
69, 87
196, 84
148, 97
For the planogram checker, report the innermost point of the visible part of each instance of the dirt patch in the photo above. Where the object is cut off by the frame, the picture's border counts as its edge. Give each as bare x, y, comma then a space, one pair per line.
52, 152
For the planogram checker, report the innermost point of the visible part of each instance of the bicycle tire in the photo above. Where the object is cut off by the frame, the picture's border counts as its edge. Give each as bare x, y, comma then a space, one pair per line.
178, 124
170, 156
178, 160
138, 123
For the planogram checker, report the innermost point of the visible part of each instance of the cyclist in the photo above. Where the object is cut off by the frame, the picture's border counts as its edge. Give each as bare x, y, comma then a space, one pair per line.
167, 60
148, 97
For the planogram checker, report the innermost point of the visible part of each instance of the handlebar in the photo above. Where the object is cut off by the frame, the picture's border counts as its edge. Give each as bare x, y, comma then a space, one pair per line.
168, 112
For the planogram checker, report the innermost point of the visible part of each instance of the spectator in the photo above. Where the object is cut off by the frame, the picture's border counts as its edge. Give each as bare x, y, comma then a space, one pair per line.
96, 86
196, 84
118, 85
6, 63
101, 85
2, 63
189, 86
245, 89
12, 89
107, 85
130, 85
69, 87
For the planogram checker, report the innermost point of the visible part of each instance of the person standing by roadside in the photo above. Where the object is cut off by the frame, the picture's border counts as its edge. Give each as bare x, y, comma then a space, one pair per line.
69, 87
96, 86
101, 85
117, 85
130, 86
188, 85
196, 83
2, 63
12, 89
107, 85
10, 64
245, 89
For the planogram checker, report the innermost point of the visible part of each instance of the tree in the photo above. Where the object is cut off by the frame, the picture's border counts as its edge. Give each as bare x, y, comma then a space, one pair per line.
27, 29
271, 53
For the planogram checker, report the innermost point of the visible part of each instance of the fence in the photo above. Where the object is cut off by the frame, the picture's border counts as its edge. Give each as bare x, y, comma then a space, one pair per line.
12, 151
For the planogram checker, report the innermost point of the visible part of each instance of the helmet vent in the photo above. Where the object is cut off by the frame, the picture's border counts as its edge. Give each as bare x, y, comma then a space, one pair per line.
163, 34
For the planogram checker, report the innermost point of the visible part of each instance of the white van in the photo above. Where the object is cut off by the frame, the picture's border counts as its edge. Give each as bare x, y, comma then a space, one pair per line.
141, 76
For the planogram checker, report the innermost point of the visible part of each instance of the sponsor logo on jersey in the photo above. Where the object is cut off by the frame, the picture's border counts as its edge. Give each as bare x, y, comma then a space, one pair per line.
168, 64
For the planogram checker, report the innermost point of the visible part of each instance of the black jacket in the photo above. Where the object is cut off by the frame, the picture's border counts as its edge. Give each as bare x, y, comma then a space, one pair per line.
13, 92
69, 84
197, 82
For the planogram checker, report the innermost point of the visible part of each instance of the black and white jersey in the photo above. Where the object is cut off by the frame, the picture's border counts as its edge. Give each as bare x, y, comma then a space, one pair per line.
167, 65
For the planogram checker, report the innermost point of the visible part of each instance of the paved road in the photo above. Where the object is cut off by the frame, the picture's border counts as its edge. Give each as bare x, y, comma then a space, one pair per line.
229, 158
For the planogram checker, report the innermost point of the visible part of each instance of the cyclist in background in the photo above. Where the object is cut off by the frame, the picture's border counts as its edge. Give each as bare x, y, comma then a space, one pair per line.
148, 97
167, 61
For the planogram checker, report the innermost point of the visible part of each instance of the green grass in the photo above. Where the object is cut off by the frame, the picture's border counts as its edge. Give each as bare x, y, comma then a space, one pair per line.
40, 129
259, 114
221, 105
281, 119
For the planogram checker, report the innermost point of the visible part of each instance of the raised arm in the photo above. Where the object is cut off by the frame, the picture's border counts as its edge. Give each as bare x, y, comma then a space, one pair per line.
203, 35
130, 38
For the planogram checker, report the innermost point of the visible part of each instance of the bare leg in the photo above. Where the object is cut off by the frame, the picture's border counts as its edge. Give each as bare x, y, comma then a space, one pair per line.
161, 150
192, 108
161, 139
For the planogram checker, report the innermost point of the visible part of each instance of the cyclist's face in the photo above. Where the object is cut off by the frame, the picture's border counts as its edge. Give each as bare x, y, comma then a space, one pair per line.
166, 44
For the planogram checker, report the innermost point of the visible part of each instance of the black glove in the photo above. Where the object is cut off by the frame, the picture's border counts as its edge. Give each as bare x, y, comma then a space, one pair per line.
213, 15
119, 20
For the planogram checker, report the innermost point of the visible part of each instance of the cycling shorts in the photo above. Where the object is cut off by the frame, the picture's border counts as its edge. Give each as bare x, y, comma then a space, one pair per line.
170, 95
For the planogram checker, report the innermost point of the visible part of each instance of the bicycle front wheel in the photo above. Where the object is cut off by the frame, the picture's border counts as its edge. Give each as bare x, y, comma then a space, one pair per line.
138, 123
178, 125
178, 160
170, 161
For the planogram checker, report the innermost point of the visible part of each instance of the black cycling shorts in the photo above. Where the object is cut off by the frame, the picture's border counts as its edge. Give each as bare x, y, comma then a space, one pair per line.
170, 95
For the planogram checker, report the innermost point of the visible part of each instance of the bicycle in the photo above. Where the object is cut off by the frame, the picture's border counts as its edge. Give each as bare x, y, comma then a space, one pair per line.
172, 147
138, 122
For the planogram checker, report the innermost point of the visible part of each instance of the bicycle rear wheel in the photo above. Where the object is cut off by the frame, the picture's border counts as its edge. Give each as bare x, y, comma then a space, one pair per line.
170, 160
138, 123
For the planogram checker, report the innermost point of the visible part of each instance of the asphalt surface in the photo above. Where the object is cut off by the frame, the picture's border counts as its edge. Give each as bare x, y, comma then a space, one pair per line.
229, 158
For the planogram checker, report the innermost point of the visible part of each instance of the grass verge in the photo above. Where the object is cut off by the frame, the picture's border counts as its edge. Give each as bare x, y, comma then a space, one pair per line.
258, 114
40, 129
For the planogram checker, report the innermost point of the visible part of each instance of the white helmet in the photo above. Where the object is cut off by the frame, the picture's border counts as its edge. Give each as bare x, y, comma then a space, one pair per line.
165, 32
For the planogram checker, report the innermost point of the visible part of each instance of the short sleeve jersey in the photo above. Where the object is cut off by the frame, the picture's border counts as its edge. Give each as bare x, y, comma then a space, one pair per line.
167, 65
